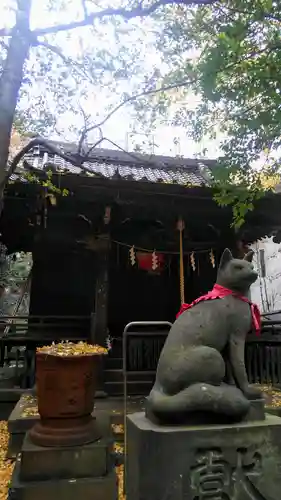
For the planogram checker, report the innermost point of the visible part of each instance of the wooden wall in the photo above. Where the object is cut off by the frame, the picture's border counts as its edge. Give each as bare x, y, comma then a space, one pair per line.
63, 283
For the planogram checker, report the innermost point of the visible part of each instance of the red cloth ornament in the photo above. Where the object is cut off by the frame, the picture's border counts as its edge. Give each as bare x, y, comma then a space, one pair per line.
145, 261
219, 292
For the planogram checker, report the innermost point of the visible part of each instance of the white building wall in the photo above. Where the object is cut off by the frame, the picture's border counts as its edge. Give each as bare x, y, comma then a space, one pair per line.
266, 292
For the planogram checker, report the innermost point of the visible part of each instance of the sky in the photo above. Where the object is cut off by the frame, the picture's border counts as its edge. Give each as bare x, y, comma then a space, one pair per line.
165, 139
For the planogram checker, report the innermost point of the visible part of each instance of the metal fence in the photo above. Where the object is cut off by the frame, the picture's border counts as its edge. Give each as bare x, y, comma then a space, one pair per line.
141, 351
263, 359
21, 335
142, 344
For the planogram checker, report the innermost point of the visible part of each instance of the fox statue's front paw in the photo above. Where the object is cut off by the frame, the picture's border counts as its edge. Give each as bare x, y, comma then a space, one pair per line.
252, 392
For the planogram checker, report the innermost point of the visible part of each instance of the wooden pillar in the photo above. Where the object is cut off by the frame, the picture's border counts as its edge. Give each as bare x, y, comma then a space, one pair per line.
100, 319
101, 297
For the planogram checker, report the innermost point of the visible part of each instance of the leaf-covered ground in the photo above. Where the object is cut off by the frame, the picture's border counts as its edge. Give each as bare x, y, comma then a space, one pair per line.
6, 466
272, 399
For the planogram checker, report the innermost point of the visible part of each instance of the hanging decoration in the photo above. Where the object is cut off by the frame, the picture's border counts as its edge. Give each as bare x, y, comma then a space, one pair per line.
132, 255
192, 261
212, 258
107, 215
154, 261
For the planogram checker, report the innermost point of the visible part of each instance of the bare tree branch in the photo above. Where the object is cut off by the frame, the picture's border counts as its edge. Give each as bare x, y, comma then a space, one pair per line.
130, 154
97, 143
130, 99
80, 70
166, 88
126, 14
88, 20
52, 48
76, 67
86, 117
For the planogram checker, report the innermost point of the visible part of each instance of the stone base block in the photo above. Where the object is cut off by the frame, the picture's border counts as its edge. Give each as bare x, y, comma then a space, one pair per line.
14, 445
102, 488
215, 462
41, 463
8, 399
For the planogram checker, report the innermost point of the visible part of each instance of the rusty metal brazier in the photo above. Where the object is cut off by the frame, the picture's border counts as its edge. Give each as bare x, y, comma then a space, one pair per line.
66, 387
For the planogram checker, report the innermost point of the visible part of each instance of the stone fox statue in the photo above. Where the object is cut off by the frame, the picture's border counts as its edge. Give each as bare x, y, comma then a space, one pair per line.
201, 367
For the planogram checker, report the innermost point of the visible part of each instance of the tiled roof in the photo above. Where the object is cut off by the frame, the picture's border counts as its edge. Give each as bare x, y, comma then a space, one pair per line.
111, 164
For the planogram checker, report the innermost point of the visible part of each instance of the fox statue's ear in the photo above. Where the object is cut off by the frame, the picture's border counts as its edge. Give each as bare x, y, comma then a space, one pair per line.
225, 258
249, 256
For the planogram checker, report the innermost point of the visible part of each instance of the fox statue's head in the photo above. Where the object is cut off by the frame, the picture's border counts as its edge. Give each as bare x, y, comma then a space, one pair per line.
236, 274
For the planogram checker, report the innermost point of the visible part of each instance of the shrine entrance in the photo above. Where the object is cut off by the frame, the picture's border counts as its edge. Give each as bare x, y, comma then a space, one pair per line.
139, 294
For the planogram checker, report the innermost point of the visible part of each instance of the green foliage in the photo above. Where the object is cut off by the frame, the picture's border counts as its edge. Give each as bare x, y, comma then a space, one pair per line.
14, 272
227, 54
14, 269
49, 187
232, 54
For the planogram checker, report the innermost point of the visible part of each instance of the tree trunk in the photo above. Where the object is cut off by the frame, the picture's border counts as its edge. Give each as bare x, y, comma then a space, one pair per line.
10, 83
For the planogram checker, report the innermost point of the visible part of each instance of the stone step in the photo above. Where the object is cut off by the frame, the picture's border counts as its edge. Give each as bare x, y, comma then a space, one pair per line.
99, 488
9, 398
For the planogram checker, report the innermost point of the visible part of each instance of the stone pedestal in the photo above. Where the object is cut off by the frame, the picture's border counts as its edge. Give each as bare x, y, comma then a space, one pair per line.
215, 462
25, 415
85, 471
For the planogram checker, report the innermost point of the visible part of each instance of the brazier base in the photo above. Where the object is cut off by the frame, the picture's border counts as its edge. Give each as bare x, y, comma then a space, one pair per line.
89, 488
54, 473
240, 461
39, 463
65, 432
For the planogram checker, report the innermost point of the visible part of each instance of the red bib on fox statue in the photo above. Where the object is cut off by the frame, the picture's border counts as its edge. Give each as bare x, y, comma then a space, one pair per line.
219, 292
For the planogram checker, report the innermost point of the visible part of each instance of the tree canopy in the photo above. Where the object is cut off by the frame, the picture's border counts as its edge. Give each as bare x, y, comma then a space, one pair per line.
153, 54
231, 51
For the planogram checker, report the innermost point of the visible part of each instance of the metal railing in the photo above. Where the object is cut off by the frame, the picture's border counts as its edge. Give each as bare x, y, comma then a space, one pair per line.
24, 327
262, 355
263, 359
17, 305
26, 333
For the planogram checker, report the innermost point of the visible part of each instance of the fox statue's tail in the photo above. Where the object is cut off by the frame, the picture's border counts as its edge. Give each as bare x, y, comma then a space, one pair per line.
225, 400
